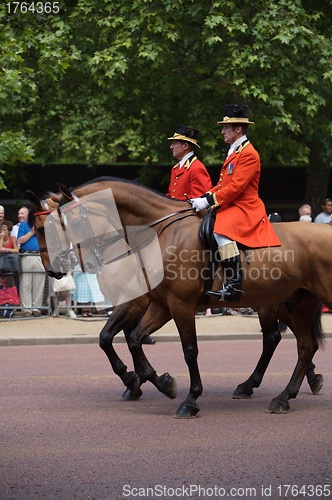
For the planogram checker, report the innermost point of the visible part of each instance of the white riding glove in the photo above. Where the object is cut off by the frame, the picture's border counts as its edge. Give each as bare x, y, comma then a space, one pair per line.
199, 203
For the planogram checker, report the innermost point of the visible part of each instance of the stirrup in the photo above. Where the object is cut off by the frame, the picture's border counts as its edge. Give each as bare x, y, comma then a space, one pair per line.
227, 294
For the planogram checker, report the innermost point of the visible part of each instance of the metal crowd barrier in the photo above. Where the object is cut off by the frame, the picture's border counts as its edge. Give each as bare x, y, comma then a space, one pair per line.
9, 310
17, 312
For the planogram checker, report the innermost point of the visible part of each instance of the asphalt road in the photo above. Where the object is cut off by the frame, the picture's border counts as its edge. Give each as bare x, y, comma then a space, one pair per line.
66, 434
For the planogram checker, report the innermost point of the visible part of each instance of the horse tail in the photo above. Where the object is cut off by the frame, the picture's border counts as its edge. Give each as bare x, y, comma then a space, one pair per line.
317, 330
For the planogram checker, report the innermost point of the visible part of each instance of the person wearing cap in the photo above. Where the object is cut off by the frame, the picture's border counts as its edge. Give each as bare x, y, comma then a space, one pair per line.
275, 217
189, 176
240, 213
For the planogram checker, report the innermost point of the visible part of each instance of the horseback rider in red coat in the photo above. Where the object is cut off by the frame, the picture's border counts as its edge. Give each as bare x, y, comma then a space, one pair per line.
189, 176
240, 213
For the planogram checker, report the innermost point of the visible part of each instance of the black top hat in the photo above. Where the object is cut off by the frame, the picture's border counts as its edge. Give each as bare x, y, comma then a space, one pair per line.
184, 133
236, 113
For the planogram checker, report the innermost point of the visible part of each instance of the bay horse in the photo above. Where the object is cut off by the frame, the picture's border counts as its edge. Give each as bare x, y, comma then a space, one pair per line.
295, 288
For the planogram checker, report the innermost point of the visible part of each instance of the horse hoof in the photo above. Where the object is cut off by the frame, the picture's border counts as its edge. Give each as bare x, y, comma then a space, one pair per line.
168, 386
128, 395
278, 406
242, 392
316, 384
133, 383
187, 411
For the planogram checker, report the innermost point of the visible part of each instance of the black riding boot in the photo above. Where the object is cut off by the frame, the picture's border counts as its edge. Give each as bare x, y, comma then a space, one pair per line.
232, 289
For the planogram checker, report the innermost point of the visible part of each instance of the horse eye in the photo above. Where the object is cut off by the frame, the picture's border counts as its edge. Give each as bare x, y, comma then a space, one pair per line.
76, 227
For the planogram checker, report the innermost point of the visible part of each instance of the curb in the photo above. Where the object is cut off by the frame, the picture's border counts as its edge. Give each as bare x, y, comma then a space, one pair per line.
119, 339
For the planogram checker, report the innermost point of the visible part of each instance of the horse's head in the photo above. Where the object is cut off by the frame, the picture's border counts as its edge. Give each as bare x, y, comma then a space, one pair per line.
127, 258
41, 213
90, 220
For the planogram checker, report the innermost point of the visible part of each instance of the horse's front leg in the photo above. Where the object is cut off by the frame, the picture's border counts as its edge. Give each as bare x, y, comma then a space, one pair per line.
187, 329
271, 338
315, 380
156, 316
124, 317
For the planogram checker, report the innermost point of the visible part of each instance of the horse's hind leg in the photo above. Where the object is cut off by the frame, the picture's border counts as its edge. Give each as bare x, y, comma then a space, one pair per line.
271, 338
306, 322
156, 316
315, 380
268, 318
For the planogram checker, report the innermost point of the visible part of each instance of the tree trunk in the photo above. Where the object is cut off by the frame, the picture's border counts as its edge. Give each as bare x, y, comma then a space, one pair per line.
317, 174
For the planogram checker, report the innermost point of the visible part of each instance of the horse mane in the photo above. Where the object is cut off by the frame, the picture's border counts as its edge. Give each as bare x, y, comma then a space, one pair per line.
125, 181
30, 219
104, 178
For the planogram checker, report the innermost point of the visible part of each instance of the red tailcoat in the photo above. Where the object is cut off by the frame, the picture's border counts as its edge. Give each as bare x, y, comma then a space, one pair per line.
192, 178
240, 213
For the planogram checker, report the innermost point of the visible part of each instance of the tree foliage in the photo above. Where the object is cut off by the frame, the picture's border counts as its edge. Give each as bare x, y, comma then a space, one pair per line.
108, 80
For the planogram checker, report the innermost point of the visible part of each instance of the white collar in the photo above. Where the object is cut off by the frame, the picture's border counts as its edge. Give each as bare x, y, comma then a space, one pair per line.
236, 144
185, 158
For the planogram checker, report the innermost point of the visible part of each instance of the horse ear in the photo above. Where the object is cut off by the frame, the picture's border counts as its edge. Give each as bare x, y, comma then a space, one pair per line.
65, 192
34, 200
55, 197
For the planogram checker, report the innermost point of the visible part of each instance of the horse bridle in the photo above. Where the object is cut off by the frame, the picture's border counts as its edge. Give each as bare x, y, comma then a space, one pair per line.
63, 256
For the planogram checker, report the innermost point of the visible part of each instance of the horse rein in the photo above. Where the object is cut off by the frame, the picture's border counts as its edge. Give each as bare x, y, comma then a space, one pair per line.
97, 247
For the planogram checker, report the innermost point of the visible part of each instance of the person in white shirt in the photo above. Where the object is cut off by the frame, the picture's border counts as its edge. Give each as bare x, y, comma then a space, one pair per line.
325, 216
22, 215
305, 213
2, 213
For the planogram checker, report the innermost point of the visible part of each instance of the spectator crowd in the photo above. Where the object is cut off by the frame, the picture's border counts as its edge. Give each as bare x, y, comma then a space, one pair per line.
26, 291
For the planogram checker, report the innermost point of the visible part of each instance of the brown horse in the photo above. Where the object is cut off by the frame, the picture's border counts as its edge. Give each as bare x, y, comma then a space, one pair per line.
126, 317
284, 275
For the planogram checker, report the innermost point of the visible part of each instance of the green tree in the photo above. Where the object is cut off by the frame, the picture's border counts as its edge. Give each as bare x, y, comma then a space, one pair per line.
108, 80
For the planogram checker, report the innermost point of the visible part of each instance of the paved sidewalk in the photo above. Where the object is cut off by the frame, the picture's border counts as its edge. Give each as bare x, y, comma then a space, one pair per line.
50, 330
